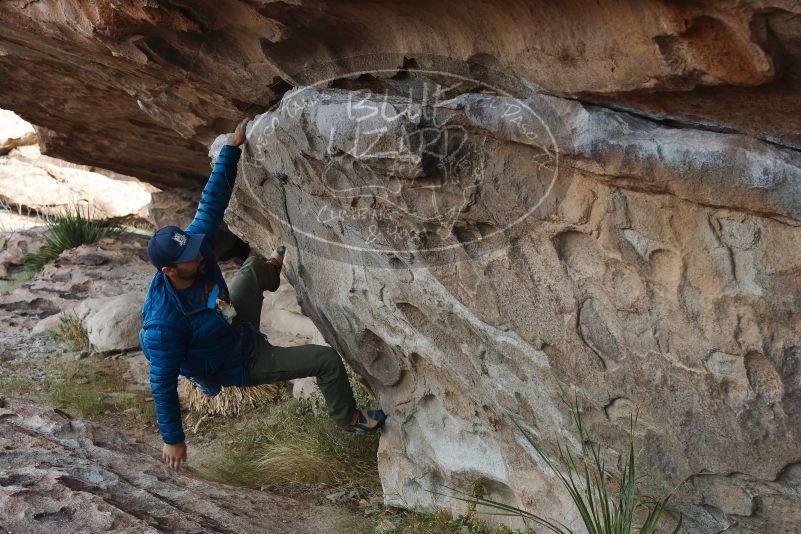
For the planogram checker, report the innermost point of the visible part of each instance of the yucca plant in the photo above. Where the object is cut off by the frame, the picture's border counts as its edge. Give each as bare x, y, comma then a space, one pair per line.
70, 229
588, 482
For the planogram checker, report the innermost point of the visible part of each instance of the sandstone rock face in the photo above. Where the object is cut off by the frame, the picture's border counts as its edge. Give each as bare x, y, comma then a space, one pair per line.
283, 321
173, 207
34, 186
14, 131
48, 186
69, 476
639, 265
14, 246
163, 78
601, 197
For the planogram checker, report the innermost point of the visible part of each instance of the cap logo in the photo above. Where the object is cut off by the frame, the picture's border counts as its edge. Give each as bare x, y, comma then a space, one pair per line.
180, 238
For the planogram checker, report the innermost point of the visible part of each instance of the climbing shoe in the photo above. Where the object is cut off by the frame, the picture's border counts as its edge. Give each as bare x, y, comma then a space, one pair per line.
368, 421
277, 257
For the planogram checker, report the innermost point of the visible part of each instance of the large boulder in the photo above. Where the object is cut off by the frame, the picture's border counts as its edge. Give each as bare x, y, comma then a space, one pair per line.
596, 196
474, 263
14, 131
49, 186
34, 186
112, 323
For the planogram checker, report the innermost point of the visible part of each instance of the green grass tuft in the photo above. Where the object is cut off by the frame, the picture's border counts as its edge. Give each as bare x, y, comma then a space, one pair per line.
293, 443
68, 395
444, 522
134, 406
86, 386
71, 229
16, 386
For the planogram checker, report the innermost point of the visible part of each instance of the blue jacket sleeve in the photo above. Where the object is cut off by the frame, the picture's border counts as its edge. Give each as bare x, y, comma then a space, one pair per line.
217, 193
165, 348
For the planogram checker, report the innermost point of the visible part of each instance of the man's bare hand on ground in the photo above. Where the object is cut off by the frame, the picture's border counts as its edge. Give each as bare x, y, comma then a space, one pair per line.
239, 134
173, 455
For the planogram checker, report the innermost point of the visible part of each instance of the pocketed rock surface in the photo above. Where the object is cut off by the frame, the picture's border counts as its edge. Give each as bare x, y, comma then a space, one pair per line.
646, 268
635, 243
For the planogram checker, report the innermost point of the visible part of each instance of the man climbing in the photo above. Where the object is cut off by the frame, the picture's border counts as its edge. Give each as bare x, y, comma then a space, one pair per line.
194, 326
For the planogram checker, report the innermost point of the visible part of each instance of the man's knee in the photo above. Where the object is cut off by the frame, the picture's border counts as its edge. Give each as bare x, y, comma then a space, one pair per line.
256, 264
265, 272
330, 361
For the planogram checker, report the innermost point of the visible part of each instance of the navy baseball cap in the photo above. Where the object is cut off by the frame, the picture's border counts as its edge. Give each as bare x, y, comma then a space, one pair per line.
171, 245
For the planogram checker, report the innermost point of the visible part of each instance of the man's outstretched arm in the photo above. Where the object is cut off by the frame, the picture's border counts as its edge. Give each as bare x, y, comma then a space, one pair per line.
217, 193
166, 348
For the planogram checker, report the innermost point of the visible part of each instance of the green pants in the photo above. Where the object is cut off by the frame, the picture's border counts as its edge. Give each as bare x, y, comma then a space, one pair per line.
269, 364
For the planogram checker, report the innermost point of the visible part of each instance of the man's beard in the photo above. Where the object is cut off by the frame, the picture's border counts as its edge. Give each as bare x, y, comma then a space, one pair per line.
197, 273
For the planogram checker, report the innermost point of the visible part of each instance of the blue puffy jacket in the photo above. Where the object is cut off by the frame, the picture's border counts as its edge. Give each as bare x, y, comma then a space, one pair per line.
197, 343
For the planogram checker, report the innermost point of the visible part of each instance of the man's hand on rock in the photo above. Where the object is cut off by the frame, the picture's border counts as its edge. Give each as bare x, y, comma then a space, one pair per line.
174, 454
239, 134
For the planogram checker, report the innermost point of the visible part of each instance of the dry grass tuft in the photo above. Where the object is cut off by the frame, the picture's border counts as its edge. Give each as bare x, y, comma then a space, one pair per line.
72, 331
230, 401
292, 443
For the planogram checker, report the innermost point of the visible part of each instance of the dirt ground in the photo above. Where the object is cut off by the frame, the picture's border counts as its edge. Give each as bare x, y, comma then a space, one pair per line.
46, 369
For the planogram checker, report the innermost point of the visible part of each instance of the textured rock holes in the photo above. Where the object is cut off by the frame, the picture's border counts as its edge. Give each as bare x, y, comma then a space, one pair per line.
763, 378
729, 372
663, 266
583, 261
743, 378
620, 411
726, 494
402, 271
665, 269
595, 334
579, 254
425, 327
709, 48
379, 358
791, 379
454, 445
472, 236
247, 212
